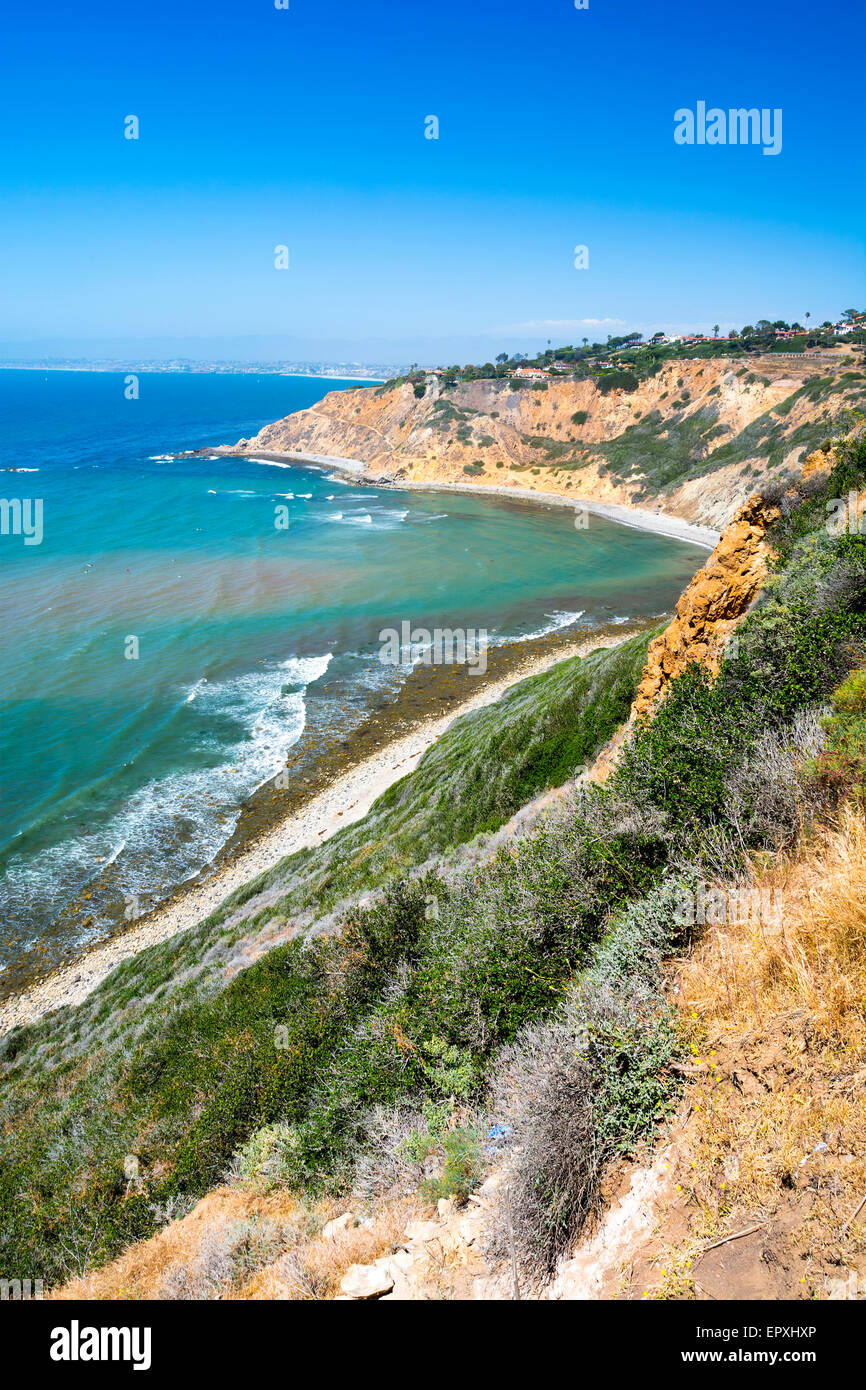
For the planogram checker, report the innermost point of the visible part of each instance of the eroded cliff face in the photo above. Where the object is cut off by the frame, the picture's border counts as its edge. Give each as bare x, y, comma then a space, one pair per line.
692, 441
711, 606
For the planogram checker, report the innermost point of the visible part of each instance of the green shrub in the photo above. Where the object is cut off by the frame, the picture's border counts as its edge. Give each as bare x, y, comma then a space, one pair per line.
841, 766
587, 1084
617, 381
462, 1167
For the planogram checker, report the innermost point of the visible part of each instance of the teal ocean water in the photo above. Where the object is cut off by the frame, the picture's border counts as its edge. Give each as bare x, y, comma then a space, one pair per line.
244, 632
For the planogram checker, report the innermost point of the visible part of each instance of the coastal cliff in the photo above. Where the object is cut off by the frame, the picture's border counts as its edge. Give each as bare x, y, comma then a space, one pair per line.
709, 608
694, 440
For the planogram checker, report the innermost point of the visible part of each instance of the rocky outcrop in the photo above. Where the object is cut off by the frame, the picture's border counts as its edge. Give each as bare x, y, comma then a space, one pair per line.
434, 1259
710, 608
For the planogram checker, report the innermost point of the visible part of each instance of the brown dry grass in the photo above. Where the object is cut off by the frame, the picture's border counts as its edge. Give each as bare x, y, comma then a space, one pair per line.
311, 1269
139, 1272
777, 1014
314, 1269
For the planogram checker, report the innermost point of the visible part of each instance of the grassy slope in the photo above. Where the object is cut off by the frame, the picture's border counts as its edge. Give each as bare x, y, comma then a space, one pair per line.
728, 765
79, 1086
488, 765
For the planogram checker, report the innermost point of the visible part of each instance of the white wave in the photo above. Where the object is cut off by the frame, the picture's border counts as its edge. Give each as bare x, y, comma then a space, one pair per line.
194, 689
272, 463
19, 470
384, 520
202, 803
308, 668
160, 458
557, 622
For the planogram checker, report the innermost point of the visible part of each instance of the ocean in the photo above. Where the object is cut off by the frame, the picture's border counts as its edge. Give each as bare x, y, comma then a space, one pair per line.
170, 637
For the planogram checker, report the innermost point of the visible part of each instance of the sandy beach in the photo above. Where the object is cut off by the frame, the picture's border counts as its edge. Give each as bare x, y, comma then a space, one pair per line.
346, 800
639, 518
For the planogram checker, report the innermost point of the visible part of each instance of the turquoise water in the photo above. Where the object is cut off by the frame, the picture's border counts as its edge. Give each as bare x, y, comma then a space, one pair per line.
244, 632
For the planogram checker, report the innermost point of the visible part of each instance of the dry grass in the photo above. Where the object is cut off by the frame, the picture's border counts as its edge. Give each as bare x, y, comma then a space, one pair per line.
777, 1013
143, 1268
214, 1252
813, 957
313, 1270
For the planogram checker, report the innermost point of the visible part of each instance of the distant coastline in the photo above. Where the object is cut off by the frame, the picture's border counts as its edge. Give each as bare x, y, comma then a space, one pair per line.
198, 369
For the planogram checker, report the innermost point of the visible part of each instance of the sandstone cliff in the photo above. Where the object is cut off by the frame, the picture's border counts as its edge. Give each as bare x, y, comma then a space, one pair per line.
710, 607
692, 441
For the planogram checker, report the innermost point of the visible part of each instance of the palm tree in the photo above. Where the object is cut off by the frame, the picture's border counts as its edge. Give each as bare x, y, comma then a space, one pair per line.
715, 330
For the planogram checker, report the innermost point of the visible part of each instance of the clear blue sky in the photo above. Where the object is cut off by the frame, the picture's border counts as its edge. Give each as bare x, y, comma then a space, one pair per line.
306, 127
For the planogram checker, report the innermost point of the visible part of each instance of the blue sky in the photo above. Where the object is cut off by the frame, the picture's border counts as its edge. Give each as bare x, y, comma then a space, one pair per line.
305, 127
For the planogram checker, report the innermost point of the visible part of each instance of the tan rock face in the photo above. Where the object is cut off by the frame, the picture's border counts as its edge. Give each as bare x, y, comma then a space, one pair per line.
818, 462
712, 605
554, 440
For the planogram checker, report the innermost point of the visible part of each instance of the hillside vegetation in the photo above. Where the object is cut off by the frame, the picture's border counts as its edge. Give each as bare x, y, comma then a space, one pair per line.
173, 1059
359, 1017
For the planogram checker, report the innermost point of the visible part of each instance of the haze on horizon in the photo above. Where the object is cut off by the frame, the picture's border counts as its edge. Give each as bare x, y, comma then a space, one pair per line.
306, 128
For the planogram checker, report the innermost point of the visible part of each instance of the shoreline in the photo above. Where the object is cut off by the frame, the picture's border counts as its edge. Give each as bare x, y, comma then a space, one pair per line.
344, 801
638, 518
